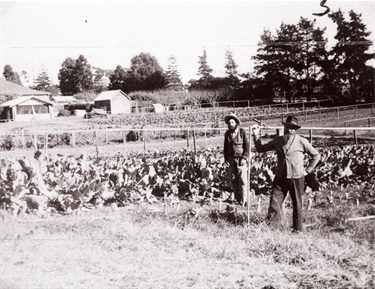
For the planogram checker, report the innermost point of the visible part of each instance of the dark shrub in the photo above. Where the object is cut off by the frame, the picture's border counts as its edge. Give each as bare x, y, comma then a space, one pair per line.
8, 143
132, 136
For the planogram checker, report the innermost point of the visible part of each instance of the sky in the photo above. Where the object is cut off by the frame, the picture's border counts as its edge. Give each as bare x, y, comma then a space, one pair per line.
37, 35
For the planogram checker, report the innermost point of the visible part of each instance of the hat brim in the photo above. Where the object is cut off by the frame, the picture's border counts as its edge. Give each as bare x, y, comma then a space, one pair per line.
228, 117
292, 125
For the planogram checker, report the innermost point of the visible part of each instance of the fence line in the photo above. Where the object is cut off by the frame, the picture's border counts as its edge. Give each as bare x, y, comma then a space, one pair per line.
107, 137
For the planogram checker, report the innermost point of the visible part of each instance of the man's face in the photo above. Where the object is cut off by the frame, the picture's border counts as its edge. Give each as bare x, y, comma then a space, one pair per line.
232, 125
289, 129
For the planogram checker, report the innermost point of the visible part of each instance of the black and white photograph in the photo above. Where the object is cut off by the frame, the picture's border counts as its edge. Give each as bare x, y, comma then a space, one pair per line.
187, 144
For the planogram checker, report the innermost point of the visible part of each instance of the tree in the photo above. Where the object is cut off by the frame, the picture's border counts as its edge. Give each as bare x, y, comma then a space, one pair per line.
83, 74
308, 57
231, 71
204, 70
117, 78
10, 75
290, 62
145, 73
230, 65
350, 53
144, 65
266, 67
172, 75
75, 76
43, 81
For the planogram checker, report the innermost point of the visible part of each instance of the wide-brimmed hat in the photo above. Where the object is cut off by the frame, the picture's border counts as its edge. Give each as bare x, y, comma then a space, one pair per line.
232, 116
292, 121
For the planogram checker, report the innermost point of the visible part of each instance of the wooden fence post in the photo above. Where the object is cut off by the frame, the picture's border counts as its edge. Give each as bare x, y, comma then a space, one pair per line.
96, 145
194, 143
311, 135
124, 140
35, 142
338, 113
355, 137
106, 136
356, 111
73, 139
23, 138
369, 123
346, 125
45, 144
187, 138
144, 141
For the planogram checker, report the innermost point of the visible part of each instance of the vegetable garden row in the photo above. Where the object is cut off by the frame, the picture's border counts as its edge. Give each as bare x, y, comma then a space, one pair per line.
74, 183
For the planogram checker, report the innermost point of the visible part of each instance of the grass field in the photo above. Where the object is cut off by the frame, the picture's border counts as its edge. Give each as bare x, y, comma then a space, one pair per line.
149, 246
152, 246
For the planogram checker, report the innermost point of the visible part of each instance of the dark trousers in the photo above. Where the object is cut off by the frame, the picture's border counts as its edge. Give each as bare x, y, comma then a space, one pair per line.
239, 180
280, 189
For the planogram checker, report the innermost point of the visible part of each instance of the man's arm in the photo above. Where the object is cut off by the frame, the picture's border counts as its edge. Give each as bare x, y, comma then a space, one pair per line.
313, 153
258, 142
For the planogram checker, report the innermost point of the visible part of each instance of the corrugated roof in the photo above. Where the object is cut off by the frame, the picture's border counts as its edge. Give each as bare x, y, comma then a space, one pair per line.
110, 94
10, 88
22, 99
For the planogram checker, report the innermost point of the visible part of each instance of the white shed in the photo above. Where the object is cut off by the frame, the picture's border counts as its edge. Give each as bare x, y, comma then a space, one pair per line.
113, 102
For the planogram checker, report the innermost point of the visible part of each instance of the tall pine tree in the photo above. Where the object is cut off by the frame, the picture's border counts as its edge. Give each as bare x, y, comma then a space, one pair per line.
43, 81
172, 74
351, 53
204, 70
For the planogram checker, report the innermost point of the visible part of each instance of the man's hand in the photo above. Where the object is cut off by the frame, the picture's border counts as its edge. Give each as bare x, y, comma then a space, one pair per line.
256, 130
242, 162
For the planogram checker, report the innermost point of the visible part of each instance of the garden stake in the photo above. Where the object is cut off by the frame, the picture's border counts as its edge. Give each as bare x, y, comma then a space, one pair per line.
248, 179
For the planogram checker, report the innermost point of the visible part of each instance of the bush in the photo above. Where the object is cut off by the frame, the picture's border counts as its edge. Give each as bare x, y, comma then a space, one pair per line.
64, 112
65, 138
132, 136
8, 143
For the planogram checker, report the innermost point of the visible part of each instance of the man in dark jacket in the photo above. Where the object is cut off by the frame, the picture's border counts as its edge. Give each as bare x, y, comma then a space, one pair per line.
236, 153
291, 170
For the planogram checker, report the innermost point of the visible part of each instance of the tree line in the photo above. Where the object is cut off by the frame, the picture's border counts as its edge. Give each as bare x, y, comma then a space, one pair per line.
293, 63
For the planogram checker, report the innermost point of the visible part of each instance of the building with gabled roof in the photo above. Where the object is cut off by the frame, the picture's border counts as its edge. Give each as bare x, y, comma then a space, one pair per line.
11, 89
26, 108
113, 102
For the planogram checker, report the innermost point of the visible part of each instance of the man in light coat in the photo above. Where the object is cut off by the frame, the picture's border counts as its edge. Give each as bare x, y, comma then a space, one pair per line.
291, 171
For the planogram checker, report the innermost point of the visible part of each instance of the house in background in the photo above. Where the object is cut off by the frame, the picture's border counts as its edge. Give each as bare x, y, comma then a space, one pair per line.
23, 103
26, 108
113, 102
12, 90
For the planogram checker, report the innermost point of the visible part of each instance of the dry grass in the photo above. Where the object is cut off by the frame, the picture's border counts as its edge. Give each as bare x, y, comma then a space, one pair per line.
148, 246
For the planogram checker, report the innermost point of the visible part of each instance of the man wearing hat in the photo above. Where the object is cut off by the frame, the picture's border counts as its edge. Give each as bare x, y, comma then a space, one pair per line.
236, 152
291, 171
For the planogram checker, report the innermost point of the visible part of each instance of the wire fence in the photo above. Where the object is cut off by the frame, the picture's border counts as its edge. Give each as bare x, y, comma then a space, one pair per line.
348, 121
146, 138
307, 111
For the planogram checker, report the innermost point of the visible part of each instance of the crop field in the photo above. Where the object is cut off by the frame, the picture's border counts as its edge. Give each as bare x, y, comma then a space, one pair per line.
155, 212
